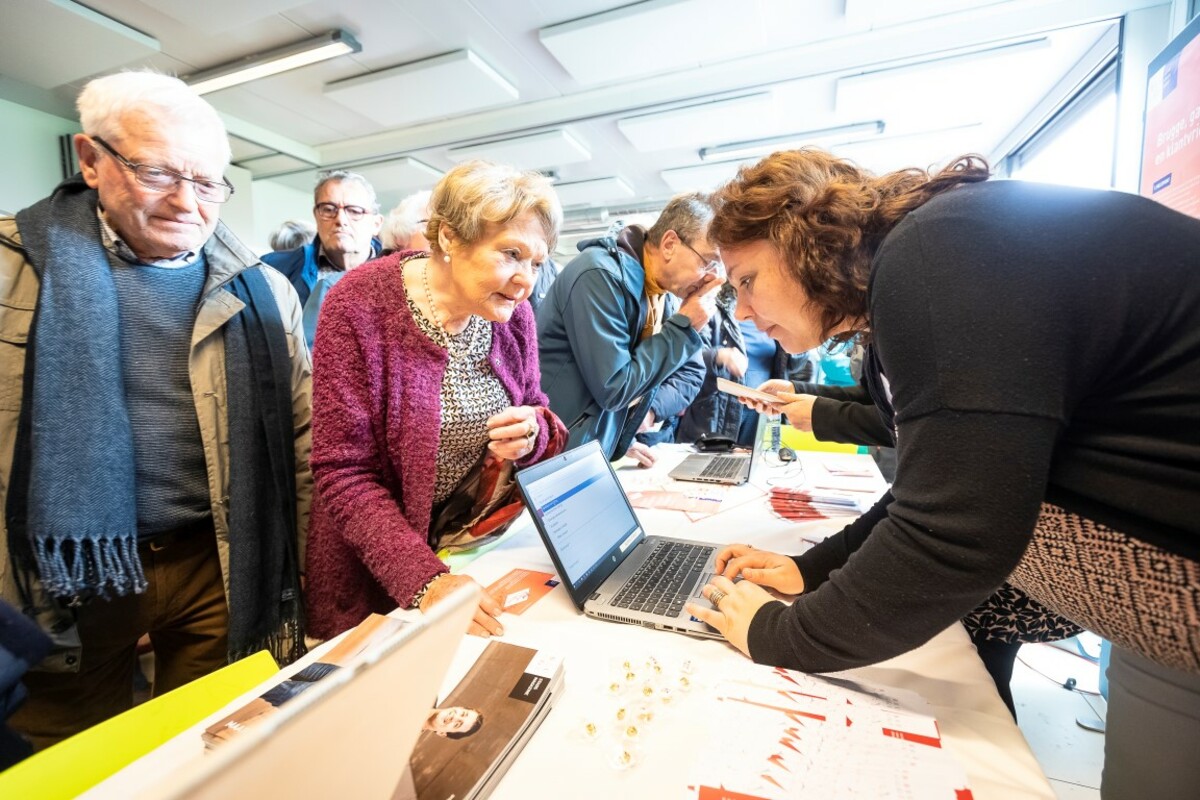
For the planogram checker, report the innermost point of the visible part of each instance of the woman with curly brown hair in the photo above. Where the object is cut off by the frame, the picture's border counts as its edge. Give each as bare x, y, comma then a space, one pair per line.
1037, 351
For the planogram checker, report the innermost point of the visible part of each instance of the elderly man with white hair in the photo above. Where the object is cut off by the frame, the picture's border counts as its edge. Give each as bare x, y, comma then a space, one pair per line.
154, 418
404, 227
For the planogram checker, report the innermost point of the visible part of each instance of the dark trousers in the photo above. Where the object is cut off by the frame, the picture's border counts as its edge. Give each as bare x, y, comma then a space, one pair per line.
1152, 740
183, 610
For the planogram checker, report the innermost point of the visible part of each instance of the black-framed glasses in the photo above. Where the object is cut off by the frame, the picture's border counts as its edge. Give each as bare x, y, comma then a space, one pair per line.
161, 179
712, 266
330, 211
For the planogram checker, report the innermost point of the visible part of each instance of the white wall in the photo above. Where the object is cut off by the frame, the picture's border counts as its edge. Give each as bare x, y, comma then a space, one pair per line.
30, 164
274, 204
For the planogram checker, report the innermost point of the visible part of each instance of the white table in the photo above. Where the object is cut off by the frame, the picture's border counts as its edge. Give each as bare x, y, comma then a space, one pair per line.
976, 726
557, 762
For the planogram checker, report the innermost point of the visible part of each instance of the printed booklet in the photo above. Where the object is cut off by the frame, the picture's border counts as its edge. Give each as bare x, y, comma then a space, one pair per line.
472, 737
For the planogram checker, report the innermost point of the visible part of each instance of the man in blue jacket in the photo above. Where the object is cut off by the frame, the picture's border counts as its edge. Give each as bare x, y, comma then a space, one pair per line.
610, 335
348, 222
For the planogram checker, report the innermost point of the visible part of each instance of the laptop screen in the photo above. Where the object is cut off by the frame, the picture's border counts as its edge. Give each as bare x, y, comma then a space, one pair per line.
581, 510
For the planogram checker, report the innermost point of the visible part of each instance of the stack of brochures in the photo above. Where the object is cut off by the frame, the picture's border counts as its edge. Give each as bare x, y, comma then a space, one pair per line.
475, 734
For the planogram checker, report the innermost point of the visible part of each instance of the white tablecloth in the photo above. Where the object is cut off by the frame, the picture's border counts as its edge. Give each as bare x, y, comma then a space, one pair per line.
976, 726
558, 762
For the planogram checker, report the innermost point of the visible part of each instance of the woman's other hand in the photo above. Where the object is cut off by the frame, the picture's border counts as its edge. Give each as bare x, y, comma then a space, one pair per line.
484, 623
736, 605
513, 432
761, 567
798, 409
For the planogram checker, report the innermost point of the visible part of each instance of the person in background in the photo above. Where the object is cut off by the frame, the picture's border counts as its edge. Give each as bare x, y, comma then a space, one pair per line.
426, 399
610, 333
348, 222
741, 353
162, 368
545, 279
404, 227
1078, 486
291, 234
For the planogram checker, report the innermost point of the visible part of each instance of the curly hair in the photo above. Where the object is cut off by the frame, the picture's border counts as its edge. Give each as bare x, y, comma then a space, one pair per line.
826, 217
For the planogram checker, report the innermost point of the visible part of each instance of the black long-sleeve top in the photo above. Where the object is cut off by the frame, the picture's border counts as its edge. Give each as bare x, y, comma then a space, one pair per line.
1035, 343
846, 414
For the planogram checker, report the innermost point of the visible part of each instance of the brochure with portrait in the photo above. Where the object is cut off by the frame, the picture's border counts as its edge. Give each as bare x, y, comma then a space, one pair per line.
473, 736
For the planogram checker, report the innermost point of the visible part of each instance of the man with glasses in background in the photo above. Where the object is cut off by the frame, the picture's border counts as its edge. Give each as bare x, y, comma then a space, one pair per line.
348, 224
618, 331
154, 418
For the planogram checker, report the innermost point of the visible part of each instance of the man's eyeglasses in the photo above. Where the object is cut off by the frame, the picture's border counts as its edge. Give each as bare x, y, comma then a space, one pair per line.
330, 211
161, 179
711, 266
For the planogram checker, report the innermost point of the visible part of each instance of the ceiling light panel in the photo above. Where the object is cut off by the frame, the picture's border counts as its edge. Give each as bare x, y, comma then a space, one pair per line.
702, 178
659, 36
536, 151
930, 148
594, 192
867, 14
293, 56
32, 27
273, 164
433, 88
400, 175
213, 16
245, 149
943, 92
717, 121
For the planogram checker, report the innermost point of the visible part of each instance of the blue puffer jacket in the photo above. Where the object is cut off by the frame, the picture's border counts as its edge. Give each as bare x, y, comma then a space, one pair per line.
593, 366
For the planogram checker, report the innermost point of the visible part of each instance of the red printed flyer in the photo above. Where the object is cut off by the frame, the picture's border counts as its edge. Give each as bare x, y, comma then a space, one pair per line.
521, 588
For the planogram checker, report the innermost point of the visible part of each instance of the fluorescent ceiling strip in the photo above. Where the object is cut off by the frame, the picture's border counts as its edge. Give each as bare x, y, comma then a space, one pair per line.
331, 45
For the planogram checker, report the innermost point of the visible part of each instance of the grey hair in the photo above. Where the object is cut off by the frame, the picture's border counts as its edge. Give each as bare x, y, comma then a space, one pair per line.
475, 194
105, 102
687, 214
292, 234
338, 175
408, 217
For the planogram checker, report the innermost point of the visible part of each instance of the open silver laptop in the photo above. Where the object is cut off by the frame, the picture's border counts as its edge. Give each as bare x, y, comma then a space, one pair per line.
350, 735
610, 567
733, 468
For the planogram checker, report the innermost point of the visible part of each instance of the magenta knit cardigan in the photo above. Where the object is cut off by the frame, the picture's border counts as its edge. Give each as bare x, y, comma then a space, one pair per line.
376, 416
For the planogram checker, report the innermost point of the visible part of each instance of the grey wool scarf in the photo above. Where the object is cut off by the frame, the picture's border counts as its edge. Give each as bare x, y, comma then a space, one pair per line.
73, 485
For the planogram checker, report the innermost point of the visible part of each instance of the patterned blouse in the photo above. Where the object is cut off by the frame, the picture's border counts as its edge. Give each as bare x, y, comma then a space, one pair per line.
471, 393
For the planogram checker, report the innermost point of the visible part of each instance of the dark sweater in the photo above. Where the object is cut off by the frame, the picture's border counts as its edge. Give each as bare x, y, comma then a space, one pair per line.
158, 312
1040, 344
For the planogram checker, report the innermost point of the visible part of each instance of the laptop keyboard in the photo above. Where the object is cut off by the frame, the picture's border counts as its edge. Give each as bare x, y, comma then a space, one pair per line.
664, 581
723, 467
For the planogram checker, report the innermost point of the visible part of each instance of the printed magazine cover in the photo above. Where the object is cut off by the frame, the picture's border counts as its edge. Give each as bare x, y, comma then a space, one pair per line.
474, 735
372, 631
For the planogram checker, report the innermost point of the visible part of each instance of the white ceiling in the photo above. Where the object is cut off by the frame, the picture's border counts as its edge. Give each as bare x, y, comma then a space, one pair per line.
615, 99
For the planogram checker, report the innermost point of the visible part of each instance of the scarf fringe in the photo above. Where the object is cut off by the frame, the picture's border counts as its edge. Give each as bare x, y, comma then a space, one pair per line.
285, 645
85, 564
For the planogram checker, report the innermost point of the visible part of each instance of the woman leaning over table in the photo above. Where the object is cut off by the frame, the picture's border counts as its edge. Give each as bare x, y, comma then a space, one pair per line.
426, 397
1038, 351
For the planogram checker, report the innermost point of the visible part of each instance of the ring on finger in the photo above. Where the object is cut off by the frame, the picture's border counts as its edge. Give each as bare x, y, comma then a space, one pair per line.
715, 597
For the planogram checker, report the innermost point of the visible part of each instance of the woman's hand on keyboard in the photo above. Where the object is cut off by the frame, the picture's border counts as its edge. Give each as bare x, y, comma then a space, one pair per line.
734, 609
763, 567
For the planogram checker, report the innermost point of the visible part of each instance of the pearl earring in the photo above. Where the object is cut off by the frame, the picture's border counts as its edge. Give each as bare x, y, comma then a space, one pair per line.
446, 258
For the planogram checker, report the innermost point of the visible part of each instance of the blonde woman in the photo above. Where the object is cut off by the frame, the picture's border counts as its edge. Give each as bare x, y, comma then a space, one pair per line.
426, 397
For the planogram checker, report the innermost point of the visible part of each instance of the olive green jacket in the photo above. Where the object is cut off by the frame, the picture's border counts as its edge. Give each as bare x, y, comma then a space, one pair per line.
226, 257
